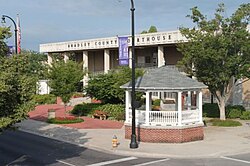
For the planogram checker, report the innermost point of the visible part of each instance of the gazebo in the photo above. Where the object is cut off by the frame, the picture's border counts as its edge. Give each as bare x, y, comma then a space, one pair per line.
179, 118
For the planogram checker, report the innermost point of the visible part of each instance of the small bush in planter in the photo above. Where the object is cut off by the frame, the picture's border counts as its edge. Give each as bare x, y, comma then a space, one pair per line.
157, 102
245, 115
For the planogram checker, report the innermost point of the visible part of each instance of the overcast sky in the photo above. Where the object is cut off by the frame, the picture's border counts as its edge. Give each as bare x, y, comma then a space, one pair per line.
46, 21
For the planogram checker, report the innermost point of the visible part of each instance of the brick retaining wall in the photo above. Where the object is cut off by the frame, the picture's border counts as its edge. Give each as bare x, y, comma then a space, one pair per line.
166, 135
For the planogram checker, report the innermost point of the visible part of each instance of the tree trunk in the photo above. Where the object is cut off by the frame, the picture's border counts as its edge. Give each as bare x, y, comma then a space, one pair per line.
222, 109
221, 101
65, 107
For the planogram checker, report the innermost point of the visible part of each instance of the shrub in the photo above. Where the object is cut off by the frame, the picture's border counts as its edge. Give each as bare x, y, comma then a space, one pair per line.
225, 123
211, 110
65, 120
44, 99
245, 115
234, 111
157, 102
117, 111
85, 109
77, 94
238, 107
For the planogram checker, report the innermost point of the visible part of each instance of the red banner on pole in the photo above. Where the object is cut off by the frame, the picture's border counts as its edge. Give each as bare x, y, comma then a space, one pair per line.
18, 36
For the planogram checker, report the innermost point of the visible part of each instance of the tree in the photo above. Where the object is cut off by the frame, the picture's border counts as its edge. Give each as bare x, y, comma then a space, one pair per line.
4, 34
106, 87
217, 51
37, 63
17, 86
18, 78
64, 78
152, 29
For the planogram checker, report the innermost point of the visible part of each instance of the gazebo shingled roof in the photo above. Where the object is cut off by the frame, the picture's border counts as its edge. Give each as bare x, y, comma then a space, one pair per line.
164, 78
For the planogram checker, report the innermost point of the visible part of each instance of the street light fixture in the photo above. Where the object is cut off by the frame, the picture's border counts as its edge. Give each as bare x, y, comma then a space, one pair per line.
3, 21
133, 143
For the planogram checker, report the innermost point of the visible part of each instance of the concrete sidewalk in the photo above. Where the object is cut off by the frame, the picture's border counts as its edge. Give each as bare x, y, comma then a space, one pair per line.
219, 141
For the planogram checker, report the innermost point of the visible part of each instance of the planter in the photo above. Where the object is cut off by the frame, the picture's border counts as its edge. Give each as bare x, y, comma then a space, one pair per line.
51, 114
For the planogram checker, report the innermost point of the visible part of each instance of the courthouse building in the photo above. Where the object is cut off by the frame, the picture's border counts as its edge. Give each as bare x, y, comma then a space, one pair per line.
151, 50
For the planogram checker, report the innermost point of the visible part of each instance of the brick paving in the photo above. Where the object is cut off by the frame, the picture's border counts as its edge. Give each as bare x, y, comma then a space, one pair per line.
41, 113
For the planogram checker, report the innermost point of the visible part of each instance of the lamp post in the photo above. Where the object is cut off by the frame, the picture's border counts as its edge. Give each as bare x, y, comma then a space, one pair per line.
3, 21
133, 143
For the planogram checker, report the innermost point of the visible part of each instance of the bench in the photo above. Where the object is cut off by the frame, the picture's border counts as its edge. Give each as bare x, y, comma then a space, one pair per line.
100, 114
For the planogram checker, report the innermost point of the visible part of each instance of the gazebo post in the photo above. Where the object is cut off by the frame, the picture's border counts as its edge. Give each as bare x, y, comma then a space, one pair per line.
179, 108
128, 104
189, 100
148, 106
200, 106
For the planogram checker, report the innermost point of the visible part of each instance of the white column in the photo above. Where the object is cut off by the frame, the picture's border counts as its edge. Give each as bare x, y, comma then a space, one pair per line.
148, 106
65, 57
200, 106
162, 95
189, 100
106, 61
176, 102
179, 109
130, 57
127, 105
49, 59
85, 59
161, 61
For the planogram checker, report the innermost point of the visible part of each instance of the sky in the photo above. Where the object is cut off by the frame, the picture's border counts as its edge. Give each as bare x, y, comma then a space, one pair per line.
48, 21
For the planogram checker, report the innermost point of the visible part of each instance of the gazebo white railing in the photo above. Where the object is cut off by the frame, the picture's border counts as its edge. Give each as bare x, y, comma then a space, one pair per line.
165, 118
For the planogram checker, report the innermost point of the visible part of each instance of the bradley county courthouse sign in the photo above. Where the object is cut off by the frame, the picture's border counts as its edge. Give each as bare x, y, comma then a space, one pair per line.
169, 37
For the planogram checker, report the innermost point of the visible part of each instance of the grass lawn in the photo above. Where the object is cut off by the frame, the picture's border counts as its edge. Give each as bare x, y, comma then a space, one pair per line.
224, 123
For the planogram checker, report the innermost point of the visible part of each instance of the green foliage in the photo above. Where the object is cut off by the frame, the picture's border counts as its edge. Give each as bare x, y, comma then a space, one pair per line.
234, 111
245, 115
44, 99
152, 29
85, 109
117, 111
4, 34
64, 77
66, 120
106, 87
77, 94
225, 123
17, 86
218, 50
211, 110
238, 107
157, 102
37, 63
144, 32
